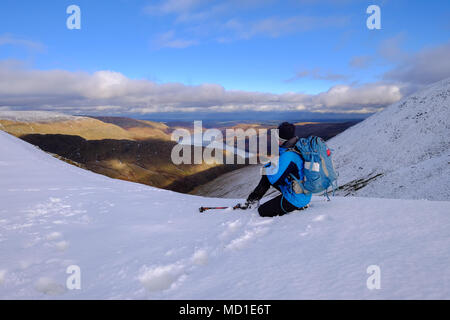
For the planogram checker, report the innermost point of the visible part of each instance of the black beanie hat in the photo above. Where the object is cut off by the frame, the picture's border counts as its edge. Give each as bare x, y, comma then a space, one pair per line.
286, 130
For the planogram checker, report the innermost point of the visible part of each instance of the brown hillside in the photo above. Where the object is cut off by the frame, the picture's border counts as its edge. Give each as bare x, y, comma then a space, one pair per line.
140, 129
147, 162
87, 128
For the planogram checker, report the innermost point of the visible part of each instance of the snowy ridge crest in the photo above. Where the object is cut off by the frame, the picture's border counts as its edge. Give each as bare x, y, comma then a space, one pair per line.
36, 116
406, 145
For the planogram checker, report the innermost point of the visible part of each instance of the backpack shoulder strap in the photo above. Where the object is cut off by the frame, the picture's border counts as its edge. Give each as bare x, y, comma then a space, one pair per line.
294, 149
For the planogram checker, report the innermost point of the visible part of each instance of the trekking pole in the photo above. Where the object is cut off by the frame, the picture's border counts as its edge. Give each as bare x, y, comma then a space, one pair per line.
203, 209
238, 206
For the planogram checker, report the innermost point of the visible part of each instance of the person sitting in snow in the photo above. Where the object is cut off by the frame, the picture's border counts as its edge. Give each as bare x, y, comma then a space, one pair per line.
280, 176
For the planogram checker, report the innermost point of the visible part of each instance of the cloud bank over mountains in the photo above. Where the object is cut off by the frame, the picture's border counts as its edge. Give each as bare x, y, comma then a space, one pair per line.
83, 92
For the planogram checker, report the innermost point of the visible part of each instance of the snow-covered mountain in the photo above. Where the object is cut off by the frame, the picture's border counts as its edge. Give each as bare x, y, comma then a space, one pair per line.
36, 116
407, 146
138, 242
402, 152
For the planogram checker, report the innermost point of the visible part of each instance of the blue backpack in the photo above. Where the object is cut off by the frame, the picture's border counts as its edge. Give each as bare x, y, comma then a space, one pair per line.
318, 165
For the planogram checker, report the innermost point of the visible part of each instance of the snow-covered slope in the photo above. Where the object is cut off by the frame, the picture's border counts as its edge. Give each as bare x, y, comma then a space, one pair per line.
402, 152
134, 241
235, 184
36, 116
406, 144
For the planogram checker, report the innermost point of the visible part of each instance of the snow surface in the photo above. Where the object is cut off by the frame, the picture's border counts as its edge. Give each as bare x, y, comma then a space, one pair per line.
137, 242
36, 116
235, 184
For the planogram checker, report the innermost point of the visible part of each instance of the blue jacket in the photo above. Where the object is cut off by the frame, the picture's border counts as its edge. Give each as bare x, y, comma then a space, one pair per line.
281, 175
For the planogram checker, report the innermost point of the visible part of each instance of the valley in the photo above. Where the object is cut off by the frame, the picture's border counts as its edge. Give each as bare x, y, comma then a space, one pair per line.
132, 149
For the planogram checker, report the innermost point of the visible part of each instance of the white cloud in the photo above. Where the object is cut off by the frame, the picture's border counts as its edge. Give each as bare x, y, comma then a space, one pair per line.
360, 62
318, 74
225, 21
173, 7
81, 92
8, 39
424, 67
371, 96
168, 40
277, 26
391, 48
187, 11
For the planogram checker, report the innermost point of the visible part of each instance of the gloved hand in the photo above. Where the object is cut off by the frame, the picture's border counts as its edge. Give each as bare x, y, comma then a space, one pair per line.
252, 203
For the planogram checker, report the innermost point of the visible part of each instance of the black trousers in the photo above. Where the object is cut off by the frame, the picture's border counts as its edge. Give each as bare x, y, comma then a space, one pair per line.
274, 207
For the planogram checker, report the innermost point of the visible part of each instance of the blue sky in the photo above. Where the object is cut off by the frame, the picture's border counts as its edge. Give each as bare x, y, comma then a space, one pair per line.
273, 48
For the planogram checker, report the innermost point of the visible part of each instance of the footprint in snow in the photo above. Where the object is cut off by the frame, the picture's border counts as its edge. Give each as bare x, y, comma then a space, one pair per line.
322, 217
244, 240
160, 278
170, 276
2, 276
49, 286
200, 257
230, 228
260, 222
54, 236
307, 231
55, 241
